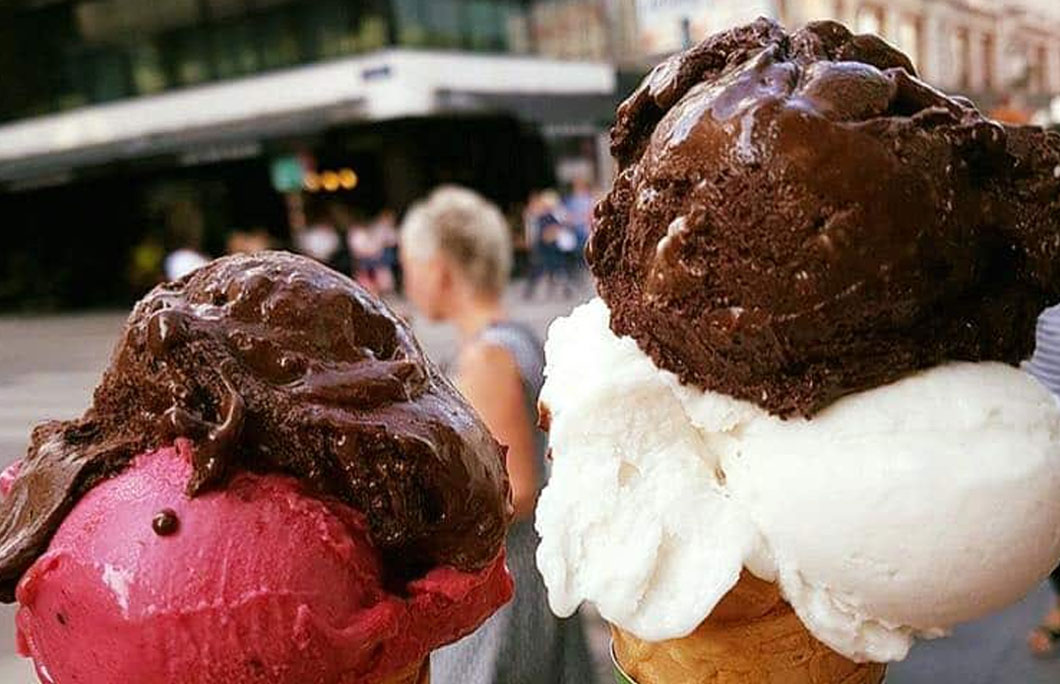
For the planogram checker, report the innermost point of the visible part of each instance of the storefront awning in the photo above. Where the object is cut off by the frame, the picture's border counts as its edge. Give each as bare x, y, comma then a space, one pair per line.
385, 85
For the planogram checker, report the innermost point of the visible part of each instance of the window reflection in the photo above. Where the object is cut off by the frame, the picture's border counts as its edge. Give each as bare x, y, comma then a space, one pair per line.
93, 51
480, 25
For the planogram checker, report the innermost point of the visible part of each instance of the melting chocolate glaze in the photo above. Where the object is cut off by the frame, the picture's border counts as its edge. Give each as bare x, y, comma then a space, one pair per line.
274, 363
165, 522
798, 217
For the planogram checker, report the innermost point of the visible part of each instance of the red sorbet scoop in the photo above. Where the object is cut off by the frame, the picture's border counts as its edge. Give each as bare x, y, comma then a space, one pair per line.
257, 582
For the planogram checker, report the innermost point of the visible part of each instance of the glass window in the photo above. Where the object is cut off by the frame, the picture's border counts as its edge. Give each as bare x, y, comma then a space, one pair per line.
96, 50
411, 22
278, 41
571, 29
226, 8
113, 21
909, 37
430, 23
234, 51
327, 29
960, 49
869, 20
485, 31
185, 55
516, 28
157, 15
1041, 69
443, 23
372, 32
108, 76
148, 73
814, 9
989, 59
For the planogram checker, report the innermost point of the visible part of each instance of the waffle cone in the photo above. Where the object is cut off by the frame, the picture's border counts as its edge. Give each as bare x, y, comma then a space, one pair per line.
752, 637
416, 673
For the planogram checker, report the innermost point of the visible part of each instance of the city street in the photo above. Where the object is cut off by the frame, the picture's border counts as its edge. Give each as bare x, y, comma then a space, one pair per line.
49, 364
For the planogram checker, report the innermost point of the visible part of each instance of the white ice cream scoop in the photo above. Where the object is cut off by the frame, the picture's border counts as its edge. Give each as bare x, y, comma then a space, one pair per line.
895, 512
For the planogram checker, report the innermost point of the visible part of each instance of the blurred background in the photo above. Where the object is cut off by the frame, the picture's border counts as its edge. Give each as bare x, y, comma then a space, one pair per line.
129, 129
139, 137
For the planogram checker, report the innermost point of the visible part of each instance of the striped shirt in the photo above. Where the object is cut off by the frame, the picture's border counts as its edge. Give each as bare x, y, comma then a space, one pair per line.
1045, 362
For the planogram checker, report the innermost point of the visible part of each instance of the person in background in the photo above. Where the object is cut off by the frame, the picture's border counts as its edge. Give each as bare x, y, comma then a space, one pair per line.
248, 241
184, 231
579, 206
532, 242
552, 239
386, 221
1044, 364
322, 240
373, 245
145, 264
456, 251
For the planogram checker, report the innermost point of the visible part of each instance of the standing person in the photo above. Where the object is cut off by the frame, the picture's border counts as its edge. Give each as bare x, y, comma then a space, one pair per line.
184, 229
386, 225
552, 240
579, 205
182, 261
563, 252
1045, 365
322, 239
457, 256
532, 240
368, 243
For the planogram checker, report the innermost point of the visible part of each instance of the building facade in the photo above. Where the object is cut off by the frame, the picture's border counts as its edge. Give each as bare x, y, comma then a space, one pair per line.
119, 117
63, 54
987, 49
125, 121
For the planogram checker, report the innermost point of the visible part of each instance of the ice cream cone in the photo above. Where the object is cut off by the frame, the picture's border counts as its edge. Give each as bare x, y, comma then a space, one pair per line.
752, 637
416, 673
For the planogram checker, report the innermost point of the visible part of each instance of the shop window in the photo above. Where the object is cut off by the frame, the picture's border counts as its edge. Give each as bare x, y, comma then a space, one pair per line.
148, 73
187, 54
869, 19
989, 60
960, 54
908, 37
108, 76
233, 50
484, 25
411, 22
1041, 69
443, 23
277, 41
372, 33
223, 9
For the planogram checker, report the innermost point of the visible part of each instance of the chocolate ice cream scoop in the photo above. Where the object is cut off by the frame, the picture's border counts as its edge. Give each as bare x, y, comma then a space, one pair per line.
798, 217
274, 363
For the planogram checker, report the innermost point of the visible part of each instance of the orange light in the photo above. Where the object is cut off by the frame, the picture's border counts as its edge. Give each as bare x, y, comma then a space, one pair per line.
330, 181
311, 182
348, 179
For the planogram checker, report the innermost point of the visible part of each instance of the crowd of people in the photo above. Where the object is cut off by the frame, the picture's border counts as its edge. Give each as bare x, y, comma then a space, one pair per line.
550, 242
555, 233
364, 248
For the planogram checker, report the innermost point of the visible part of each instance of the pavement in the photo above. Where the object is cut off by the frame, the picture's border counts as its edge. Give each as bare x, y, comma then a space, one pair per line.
49, 365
